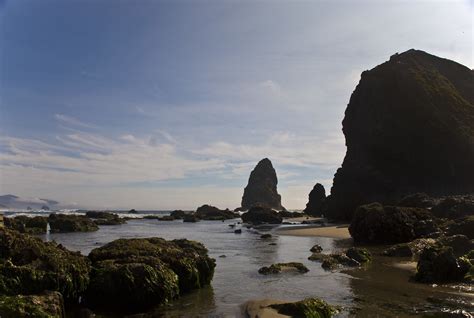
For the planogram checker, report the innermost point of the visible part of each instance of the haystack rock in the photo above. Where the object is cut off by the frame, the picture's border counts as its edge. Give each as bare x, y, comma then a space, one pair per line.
262, 187
316, 200
409, 128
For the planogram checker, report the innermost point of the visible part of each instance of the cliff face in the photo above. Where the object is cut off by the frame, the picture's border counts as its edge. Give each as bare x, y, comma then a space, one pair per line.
261, 189
409, 127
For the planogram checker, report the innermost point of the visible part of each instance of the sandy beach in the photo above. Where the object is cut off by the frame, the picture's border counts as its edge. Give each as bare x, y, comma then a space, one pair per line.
340, 231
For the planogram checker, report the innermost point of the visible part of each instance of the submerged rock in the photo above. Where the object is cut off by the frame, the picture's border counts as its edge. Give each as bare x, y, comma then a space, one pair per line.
62, 223
26, 224
374, 223
105, 218
409, 128
31, 266
48, 304
307, 308
137, 274
439, 264
279, 267
316, 201
259, 215
261, 189
209, 212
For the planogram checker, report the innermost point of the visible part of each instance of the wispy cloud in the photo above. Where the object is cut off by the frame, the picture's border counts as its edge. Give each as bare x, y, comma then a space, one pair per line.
68, 120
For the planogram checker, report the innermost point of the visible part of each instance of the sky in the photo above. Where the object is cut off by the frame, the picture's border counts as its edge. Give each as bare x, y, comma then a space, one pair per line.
116, 104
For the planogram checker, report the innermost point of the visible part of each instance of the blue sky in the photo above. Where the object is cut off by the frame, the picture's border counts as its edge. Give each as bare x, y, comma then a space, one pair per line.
170, 104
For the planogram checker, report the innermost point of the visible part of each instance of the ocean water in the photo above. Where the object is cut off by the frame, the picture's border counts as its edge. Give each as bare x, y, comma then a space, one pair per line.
378, 290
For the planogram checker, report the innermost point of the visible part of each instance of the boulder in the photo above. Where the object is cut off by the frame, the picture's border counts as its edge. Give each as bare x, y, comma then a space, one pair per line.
455, 207
413, 248
63, 223
353, 257
440, 265
30, 266
26, 224
47, 304
261, 189
375, 223
316, 201
136, 274
316, 249
361, 255
280, 267
190, 218
209, 212
178, 214
259, 215
307, 308
105, 218
409, 128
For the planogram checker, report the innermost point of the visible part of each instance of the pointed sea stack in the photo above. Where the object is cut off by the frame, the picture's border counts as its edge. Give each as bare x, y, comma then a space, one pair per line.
262, 188
316, 200
409, 128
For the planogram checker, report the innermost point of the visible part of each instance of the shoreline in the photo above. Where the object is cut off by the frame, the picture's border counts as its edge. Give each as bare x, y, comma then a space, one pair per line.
339, 231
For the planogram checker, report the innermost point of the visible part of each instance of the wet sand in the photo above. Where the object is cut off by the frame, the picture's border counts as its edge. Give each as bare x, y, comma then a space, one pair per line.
259, 309
337, 231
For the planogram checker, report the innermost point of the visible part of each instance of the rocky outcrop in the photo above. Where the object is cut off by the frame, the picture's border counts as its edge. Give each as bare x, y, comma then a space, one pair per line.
211, 213
375, 223
316, 200
105, 218
281, 267
31, 266
353, 257
63, 223
134, 275
26, 224
455, 207
48, 304
409, 128
259, 215
261, 189
307, 308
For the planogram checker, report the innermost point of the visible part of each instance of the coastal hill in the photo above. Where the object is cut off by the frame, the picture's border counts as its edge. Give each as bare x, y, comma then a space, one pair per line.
261, 189
409, 127
11, 201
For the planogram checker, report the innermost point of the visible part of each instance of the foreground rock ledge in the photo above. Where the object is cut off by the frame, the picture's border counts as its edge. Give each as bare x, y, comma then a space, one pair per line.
135, 275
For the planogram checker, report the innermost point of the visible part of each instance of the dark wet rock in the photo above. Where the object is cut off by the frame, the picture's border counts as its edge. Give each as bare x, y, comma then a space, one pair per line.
439, 264
45, 208
374, 223
238, 231
105, 218
464, 226
136, 274
413, 248
280, 267
272, 244
290, 215
460, 244
222, 256
417, 200
261, 189
259, 215
48, 304
31, 266
63, 223
316, 249
399, 250
266, 236
334, 261
178, 214
409, 128
209, 212
316, 201
26, 224
361, 255
133, 211
455, 207
307, 308
166, 218
190, 218
152, 217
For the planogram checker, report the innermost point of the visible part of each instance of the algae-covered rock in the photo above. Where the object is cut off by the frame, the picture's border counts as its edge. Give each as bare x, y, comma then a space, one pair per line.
307, 308
375, 223
31, 266
258, 215
439, 264
279, 267
26, 224
46, 305
316, 248
136, 274
105, 218
62, 223
361, 255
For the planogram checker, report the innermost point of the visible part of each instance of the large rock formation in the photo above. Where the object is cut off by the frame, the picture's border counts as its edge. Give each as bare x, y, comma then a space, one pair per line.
316, 200
262, 187
409, 128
